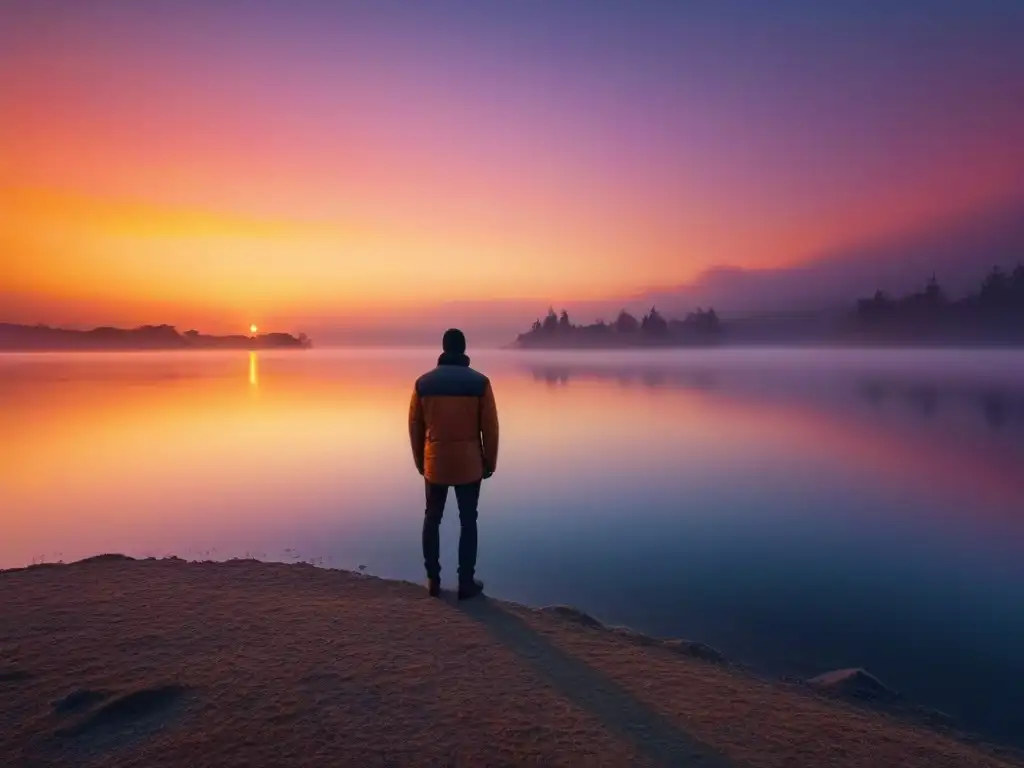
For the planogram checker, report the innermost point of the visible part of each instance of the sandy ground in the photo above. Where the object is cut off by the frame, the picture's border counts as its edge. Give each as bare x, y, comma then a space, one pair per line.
164, 663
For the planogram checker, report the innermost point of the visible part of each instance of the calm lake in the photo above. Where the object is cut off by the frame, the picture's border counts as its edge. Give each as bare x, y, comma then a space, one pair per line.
801, 510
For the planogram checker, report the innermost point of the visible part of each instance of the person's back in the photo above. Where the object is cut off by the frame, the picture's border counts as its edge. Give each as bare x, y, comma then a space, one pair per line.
453, 429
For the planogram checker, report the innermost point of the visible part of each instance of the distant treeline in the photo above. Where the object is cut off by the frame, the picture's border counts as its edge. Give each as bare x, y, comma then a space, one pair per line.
43, 337
992, 314
653, 329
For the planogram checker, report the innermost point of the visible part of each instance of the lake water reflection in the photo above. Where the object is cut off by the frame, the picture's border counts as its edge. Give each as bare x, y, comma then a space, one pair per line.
800, 509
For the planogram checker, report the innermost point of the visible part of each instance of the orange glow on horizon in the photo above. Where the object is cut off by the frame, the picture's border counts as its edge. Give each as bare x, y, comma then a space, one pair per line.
141, 184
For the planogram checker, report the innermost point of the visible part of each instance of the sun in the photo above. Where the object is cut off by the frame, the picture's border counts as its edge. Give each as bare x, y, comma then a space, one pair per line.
253, 329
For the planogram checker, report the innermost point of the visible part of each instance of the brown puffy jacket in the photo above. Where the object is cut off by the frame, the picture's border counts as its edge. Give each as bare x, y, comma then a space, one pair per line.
453, 423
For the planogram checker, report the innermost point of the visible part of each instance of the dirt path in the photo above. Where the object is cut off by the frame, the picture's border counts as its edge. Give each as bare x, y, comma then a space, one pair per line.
164, 663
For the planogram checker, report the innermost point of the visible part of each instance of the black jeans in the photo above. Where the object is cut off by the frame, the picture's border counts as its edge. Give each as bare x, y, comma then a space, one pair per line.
467, 497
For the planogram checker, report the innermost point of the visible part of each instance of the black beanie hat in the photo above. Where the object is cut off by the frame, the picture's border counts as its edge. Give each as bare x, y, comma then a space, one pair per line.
454, 342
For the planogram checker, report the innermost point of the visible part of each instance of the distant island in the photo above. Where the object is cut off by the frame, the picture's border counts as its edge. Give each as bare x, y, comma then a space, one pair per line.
991, 315
653, 330
151, 337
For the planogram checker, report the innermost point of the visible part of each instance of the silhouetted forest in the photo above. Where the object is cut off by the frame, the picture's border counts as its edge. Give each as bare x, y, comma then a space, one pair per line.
653, 329
992, 314
43, 337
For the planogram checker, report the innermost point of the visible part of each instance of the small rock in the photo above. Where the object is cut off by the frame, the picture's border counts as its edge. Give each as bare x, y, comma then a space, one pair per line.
856, 683
633, 636
696, 650
936, 718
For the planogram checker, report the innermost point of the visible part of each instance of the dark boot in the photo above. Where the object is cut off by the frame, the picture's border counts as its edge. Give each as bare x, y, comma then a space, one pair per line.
470, 589
434, 587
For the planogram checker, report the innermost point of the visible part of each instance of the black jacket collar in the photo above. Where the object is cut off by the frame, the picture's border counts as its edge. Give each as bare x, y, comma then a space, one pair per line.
450, 359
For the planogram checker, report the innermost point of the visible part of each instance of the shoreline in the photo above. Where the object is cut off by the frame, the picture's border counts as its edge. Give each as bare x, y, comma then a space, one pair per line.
116, 658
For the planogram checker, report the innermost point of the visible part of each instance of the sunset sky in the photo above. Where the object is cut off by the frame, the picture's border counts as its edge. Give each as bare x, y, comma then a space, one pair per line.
291, 164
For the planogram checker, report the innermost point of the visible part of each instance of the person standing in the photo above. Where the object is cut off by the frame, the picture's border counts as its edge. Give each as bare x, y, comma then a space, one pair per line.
453, 429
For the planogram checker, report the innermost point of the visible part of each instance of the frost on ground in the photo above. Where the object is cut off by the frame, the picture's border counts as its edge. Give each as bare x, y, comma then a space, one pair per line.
166, 663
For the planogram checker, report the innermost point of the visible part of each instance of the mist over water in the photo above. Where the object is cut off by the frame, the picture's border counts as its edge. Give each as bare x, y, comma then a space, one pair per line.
802, 510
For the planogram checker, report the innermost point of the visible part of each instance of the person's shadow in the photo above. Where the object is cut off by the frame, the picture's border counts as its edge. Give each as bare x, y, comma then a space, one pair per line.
653, 734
